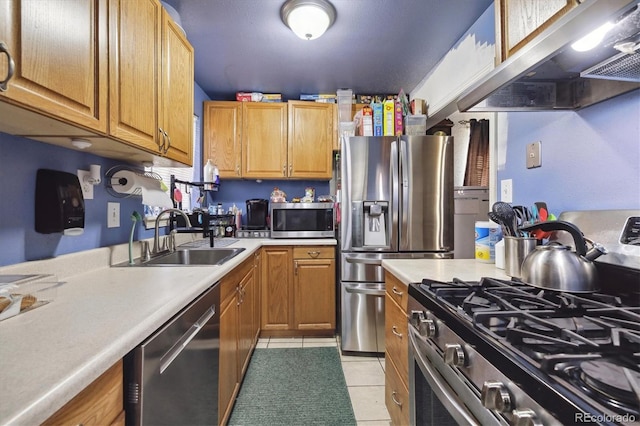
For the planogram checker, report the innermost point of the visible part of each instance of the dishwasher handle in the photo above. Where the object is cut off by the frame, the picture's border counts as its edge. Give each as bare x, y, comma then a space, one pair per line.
182, 343
356, 289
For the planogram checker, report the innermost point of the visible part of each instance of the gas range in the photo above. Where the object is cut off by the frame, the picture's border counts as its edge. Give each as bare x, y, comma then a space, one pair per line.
511, 353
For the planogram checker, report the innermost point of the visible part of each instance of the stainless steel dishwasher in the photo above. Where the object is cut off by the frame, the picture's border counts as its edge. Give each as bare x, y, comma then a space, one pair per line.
172, 377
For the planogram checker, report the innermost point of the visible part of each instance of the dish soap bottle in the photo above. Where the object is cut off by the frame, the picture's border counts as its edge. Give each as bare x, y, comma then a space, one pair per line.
208, 175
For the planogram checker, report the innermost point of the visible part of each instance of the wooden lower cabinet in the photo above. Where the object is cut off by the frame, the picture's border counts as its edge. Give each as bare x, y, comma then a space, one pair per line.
396, 395
298, 291
100, 403
397, 350
238, 332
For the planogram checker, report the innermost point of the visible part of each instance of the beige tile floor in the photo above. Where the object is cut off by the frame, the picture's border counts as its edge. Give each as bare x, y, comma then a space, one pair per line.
364, 377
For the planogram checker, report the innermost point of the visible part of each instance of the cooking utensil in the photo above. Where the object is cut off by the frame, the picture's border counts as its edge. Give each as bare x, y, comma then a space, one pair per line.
497, 219
555, 266
505, 213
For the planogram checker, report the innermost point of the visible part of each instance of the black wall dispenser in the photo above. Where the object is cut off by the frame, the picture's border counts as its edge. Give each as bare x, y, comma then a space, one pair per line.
59, 203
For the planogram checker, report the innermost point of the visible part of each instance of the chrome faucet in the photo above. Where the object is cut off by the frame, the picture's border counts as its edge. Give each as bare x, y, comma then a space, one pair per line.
156, 248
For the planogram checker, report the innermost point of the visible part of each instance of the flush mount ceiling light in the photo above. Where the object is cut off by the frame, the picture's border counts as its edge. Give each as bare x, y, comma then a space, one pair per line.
308, 19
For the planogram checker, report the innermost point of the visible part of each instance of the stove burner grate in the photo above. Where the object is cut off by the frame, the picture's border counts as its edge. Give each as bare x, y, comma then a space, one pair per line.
607, 381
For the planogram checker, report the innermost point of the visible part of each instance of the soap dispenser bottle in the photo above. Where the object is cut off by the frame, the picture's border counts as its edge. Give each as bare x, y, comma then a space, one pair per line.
208, 175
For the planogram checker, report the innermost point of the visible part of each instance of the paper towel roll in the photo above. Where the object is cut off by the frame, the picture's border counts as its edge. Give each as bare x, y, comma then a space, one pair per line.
128, 182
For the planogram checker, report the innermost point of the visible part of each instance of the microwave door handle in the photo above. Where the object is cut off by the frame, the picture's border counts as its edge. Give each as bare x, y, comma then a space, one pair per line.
182, 343
439, 387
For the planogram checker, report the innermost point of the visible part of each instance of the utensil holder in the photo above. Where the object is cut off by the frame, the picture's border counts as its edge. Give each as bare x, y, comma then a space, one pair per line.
515, 250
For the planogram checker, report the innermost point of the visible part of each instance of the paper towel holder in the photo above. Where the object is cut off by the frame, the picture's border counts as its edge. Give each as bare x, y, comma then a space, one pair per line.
114, 183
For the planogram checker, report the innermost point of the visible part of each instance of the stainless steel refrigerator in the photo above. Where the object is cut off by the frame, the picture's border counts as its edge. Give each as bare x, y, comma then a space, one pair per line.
396, 202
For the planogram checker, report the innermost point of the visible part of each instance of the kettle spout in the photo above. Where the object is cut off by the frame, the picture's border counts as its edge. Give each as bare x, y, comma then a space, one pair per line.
596, 251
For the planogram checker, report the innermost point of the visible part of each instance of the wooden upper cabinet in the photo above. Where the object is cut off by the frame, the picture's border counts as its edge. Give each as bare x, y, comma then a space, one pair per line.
177, 91
264, 140
518, 21
59, 48
310, 142
134, 28
221, 138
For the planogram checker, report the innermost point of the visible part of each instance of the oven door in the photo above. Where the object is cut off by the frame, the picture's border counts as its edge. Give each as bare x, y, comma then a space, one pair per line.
438, 394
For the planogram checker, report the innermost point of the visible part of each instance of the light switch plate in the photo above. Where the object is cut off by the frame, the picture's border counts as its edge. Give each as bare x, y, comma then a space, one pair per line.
506, 190
87, 188
113, 215
534, 155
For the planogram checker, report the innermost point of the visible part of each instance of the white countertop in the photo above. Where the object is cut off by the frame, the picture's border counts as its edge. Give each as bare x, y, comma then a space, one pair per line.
414, 270
98, 315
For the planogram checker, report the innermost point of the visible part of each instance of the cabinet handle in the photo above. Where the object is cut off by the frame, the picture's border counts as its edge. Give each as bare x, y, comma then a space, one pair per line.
396, 292
290, 169
168, 143
238, 169
11, 69
393, 330
393, 397
313, 254
284, 170
161, 139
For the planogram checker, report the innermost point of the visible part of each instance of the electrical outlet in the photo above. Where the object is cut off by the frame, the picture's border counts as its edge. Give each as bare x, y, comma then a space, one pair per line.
506, 190
534, 155
87, 188
113, 215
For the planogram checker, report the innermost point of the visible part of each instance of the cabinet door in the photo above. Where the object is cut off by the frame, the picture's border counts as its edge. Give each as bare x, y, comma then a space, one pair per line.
257, 286
60, 52
314, 288
221, 137
246, 321
228, 358
277, 294
100, 403
521, 20
264, 140
310, 142
177, 92
134, 57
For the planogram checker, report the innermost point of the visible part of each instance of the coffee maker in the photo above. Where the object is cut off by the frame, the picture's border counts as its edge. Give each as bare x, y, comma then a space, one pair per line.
257, 212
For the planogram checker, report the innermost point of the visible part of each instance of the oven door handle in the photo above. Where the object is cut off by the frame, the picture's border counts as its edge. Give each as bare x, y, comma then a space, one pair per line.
439, 387
355, 289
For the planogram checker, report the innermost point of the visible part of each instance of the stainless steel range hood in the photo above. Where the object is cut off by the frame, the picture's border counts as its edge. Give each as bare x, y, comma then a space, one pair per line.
547, 74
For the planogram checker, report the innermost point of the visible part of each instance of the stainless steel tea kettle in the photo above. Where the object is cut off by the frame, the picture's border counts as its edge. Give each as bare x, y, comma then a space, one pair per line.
555, 266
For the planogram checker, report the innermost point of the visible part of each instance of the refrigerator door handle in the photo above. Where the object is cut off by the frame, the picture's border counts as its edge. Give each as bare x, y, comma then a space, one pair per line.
364, 261
395, 167
354, 288
403, 218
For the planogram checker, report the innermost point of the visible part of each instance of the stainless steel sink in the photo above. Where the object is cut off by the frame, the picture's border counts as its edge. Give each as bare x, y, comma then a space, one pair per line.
212, 256
191, 257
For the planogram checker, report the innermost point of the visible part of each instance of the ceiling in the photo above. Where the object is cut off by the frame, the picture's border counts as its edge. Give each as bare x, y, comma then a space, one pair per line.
374, 46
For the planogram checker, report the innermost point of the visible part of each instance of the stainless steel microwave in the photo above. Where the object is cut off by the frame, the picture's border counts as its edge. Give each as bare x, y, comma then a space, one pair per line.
302, 220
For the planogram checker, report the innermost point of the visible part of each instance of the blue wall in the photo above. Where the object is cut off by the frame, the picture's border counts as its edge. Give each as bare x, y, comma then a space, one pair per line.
590, 158
20, 159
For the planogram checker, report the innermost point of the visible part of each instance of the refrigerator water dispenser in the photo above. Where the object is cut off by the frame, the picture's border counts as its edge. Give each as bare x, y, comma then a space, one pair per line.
375, 229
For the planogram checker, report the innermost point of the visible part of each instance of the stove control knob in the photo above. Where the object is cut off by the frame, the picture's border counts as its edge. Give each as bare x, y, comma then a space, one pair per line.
525, 417
454, 355
495, 396
427, 327
416, 317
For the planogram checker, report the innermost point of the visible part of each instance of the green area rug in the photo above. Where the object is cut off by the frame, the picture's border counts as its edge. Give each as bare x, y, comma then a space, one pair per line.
294, 386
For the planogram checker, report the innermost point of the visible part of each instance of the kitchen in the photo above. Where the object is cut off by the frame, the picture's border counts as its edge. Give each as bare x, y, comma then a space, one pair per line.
576, 145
